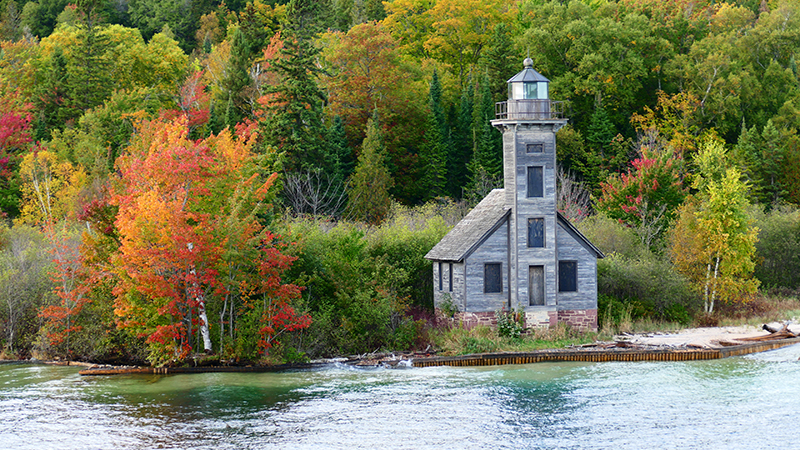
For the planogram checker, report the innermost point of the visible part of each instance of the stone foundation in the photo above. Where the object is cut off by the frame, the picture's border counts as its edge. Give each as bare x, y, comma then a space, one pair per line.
580, 319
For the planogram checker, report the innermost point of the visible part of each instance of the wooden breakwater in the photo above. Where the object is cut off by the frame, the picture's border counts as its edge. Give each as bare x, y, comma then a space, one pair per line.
489, 359
604, 355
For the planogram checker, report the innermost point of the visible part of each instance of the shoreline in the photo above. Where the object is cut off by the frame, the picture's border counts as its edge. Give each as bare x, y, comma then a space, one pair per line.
683, 345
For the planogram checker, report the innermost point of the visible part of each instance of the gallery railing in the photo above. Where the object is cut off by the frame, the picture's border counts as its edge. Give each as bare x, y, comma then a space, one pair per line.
529, 109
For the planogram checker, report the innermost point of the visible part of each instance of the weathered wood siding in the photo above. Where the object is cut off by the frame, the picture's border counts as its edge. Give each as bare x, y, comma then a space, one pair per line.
456, 292
570, 248
493, 250
516, 161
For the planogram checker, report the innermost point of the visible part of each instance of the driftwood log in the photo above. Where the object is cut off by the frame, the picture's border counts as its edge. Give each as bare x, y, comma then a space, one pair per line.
775, 333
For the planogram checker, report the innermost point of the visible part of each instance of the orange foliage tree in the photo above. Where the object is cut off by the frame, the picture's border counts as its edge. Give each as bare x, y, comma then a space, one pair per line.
187, 210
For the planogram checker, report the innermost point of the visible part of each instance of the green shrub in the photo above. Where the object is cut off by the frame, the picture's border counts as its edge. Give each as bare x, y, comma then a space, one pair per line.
647, 285
778, 247
508, 324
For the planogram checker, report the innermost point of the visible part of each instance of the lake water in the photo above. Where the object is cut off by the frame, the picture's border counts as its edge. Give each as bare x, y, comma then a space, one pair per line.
737, 403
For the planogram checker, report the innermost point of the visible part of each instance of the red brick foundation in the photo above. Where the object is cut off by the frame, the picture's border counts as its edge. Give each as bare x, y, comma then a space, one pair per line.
581, 319
473, 319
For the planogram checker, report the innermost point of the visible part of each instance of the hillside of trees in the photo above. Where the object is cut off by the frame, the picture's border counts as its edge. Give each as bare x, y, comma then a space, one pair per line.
261, 179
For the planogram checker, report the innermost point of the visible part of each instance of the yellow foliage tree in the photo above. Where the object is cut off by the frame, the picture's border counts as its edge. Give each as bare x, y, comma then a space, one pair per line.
713, 242
50, 187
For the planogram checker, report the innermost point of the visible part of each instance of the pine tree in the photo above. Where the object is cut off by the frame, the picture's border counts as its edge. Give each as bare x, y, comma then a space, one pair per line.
488, 146
773, 155
462, 143
500, 60
601, 131
237, 80
369, 198
434, 151
294, 120
339, 150
89, 76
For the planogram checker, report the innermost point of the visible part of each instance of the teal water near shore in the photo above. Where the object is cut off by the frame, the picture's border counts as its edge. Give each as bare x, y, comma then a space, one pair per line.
735, 403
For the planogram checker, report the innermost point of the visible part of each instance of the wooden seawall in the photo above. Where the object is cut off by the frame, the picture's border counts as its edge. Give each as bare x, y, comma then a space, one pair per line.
494, 359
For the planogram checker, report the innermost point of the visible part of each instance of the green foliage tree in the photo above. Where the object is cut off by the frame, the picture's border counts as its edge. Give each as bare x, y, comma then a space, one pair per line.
369, 198
293, 123
435, 151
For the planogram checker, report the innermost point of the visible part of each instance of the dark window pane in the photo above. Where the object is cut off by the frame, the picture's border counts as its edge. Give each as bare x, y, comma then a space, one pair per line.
535, 182
567, 276
440, 276
451, 277
536, 232
534, 148
493, 277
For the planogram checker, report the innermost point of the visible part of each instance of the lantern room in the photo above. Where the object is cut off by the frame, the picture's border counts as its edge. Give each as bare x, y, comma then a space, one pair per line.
528, 84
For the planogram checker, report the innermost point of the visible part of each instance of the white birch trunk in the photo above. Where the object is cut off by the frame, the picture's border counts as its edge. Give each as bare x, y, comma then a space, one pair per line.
204, 332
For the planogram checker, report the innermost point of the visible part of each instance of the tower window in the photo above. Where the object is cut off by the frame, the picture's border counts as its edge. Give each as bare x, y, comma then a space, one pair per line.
534, 148
536, 232
535, 181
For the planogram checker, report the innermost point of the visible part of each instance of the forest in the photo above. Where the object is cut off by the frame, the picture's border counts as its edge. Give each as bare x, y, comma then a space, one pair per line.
260, 180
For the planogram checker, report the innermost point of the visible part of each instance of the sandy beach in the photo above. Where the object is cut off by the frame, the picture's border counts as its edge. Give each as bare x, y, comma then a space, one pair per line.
709, 337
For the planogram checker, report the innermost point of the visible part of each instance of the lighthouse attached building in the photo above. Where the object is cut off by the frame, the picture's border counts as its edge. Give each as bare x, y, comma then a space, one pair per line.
514, 250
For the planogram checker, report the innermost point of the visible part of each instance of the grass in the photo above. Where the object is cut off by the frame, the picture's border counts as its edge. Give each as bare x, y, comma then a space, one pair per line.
482, 339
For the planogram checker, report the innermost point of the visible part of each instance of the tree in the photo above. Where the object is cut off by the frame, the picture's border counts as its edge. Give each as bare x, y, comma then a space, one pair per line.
434, 152
646, 197
190, 235
486, 165
367, 72
452, 32
713, 243
293, 120
369, 192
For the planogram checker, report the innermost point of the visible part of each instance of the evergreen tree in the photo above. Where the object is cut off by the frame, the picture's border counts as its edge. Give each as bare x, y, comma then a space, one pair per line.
462, 142
487, 157
434, 151
53, 97
339, 150
369, 198
294, 120
237, 80
773, 156
500, 60
748, 158
89, 72
600, 132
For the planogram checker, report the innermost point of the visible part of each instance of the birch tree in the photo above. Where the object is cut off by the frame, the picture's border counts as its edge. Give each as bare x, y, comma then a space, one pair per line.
713, 242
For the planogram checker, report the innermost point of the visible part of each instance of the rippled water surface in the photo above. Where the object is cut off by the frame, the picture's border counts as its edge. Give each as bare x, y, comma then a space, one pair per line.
736, 403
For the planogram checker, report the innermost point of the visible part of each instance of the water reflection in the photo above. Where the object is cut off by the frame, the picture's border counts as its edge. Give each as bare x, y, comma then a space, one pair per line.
732, 403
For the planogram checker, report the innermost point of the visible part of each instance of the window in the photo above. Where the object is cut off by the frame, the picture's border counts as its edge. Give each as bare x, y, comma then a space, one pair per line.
493, 277
536, 232
531, 91
567, 276
535, 181
534, 148
451, 276
440, 275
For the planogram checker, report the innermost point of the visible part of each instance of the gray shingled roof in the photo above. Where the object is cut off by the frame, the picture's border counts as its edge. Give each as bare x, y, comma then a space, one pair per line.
465, 237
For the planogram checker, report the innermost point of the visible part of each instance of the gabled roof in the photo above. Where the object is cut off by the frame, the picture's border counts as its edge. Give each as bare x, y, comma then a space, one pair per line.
473, 229
578, 236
